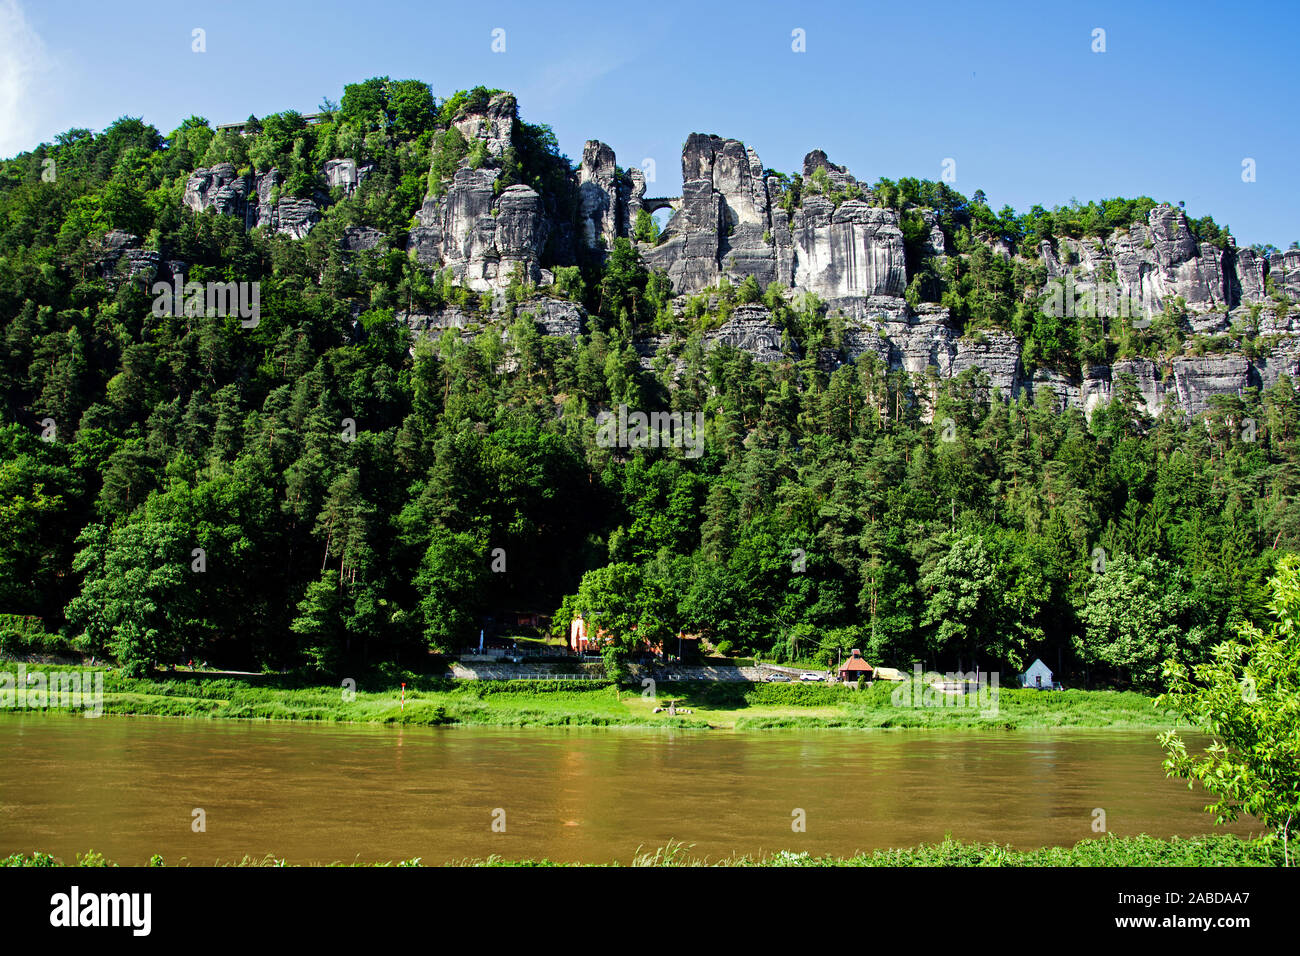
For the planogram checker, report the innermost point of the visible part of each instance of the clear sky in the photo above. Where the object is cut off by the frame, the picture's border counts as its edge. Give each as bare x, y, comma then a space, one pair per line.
1013, 92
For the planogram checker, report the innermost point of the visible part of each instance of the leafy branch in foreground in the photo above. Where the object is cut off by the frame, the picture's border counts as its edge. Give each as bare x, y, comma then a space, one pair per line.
1247, 697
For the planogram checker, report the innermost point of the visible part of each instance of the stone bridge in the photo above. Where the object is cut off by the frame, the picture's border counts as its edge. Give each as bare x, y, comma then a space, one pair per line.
656, 203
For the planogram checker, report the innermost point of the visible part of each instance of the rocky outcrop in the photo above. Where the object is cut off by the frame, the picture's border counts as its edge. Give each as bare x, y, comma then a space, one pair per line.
1284, 270
735, 220
1146, 376
484, 239
556, 317
655, 347
925, 345
485, 234
292, 217
520, 234
1164, 261
731, 171
750, 329
689, 250
1160, 261
1248, 275
724, 222
1198, 378
494, 125
915, 344
360, 239
122, 258
219, 188
598, 196
608, 200
838, 177
344, 174
869, 339
852, 251
998, 355
731, 223
1283, 360
433, 324
255, 199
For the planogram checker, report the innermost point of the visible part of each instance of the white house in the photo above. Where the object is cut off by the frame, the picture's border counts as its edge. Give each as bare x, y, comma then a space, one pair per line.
1038, 675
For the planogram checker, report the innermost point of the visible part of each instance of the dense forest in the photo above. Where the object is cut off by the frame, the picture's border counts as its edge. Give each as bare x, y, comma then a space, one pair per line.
327, 488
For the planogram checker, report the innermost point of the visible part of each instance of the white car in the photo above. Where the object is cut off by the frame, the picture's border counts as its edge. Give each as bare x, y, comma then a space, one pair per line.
809, 675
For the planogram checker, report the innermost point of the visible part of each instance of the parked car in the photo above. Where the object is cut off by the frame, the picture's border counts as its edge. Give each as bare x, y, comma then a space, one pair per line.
809, 675
778, 679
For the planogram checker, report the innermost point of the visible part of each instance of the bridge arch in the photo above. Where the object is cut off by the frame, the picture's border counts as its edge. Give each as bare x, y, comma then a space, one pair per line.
655, 203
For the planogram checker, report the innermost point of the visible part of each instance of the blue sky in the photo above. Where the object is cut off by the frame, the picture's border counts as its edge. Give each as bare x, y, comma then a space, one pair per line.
1013, 92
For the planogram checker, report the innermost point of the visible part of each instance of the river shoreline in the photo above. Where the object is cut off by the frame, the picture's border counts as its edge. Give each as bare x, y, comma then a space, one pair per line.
712, 705
1217, 850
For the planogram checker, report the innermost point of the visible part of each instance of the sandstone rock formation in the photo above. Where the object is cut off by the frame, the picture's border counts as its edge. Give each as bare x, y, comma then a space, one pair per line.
494, 125
122, 257
556, 317
731, 223
218, 188
361, 239
254, 198
750, 329
608, 200
1160, 262
345, 174
484, 239
735, 220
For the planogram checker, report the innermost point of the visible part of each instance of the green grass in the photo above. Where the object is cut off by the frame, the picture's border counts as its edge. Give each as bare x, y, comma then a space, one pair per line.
1216, 850
713, 704
810, 706
1219, 850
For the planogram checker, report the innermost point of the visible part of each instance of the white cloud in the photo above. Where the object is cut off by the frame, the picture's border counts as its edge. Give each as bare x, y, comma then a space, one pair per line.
23, 58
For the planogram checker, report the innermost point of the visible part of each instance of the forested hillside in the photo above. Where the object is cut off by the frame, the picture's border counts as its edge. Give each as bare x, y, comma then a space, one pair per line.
338, 484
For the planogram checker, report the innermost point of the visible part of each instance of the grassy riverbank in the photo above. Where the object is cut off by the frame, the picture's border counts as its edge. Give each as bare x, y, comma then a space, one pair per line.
1209, 851
715, 705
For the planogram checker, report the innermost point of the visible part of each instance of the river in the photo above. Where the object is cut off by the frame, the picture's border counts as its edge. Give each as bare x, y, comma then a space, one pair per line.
129, 788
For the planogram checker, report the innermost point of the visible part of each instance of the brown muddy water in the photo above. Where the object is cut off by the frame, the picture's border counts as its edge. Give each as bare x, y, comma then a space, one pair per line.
128, 788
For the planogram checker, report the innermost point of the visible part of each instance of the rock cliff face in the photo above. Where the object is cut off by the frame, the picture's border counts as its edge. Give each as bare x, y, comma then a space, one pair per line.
123, 258
253, 198
750, 329
925, 344
735, 219
732, 223
218, 188
345, 174
1159, 262
851, 252
609, 201
494, 125
486, 234
483, 238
